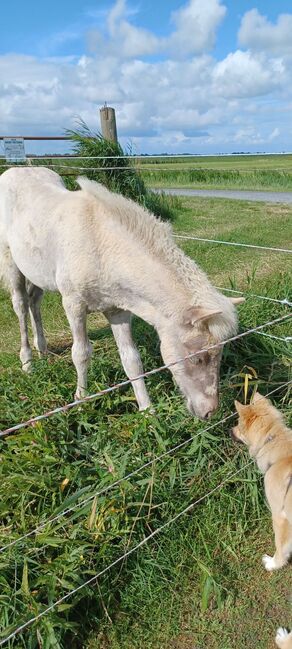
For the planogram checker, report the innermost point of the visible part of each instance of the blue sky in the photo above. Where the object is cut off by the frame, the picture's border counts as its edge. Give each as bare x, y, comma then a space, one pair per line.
37, 27
198, 76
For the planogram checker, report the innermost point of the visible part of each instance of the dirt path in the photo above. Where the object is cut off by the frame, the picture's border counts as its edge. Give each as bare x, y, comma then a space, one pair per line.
268, 197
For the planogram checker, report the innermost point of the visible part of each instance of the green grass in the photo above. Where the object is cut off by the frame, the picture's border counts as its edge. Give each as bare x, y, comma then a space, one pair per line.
262, 172
200, 583
271, 173
217, 179
243, 162
238, 221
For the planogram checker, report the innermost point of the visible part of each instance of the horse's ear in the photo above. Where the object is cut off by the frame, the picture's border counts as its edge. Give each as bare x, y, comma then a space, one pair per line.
195, 314
237, 300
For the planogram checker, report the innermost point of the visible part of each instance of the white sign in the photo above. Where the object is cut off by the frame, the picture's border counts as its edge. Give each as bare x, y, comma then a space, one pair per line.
14, 149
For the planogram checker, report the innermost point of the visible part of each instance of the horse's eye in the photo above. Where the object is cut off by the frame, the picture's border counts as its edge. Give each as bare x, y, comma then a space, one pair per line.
203, 359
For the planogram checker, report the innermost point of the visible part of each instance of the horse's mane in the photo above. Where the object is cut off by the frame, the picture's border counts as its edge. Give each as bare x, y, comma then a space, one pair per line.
159, 241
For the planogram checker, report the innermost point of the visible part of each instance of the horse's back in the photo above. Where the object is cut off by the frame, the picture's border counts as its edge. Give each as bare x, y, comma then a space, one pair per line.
28, 196
29, 176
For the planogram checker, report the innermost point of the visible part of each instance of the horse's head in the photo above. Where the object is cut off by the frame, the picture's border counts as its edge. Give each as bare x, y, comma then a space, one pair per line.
198, 375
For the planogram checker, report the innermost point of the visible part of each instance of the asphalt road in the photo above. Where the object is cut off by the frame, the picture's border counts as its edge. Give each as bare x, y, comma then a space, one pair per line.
267, 197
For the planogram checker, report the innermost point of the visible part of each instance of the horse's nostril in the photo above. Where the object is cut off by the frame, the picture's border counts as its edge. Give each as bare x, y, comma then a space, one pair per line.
198, 413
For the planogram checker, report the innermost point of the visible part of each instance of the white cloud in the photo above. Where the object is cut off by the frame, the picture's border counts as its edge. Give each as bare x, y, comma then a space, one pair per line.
254, 136
160, 104
243, 74
258, 33
196, 24
195, 27
248, 134
120, 37
180, 101
275, 134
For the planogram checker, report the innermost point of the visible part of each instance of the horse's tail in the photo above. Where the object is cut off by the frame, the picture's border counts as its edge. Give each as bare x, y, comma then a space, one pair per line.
5, 255
5, 261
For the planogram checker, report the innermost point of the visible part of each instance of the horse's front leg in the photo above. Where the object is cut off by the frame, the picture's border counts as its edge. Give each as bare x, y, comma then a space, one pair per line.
20, 306
81, 348
35, 295
16, 284
120, 322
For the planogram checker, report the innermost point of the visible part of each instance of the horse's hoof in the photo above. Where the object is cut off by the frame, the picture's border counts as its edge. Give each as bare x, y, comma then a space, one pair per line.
80, 395
148, 411
27, 367
42, 353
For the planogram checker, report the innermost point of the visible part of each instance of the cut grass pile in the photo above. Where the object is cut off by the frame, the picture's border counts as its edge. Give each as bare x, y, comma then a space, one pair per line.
200, 583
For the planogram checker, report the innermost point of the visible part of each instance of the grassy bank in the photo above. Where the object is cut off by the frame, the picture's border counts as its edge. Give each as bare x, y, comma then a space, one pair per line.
238, 162
272, 173
200, 583
266, 172
217, 179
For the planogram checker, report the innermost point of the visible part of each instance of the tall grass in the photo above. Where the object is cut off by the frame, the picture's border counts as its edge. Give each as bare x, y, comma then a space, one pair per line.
261, 179
117, 173
59, 462
62, 460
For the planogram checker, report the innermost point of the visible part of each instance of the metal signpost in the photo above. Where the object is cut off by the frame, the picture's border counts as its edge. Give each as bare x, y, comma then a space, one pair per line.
14, 149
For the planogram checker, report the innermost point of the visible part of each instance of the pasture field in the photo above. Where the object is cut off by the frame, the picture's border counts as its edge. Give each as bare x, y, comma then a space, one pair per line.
277, 162
200, 582
270, 172
257, 172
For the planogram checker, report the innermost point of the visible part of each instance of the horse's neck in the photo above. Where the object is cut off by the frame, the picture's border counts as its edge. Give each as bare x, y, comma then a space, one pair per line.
154, 294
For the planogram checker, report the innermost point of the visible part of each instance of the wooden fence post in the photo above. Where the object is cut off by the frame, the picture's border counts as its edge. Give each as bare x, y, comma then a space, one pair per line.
108, 123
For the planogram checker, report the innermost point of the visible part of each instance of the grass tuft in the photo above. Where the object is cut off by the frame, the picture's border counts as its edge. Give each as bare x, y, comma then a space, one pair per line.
118, 174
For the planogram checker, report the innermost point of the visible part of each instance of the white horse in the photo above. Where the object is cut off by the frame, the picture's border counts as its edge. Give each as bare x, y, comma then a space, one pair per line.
104, 252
